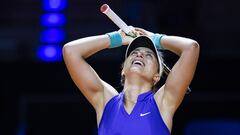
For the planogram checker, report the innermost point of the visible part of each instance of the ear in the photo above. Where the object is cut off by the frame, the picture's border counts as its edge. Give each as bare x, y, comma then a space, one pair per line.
156, 78
122, 73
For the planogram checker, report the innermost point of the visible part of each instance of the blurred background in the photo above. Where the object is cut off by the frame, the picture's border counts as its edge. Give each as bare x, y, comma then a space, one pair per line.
38, 97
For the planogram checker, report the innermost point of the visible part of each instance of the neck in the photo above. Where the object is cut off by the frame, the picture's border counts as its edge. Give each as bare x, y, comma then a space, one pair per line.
134, 87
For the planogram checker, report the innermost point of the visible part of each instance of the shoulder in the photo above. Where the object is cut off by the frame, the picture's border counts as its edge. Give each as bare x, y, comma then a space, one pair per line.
108, 93
158, 96
105, 109
162, 100
163, 103
163, 107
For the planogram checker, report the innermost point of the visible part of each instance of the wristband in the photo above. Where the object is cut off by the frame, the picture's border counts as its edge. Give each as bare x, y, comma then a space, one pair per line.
156, 38
115, 39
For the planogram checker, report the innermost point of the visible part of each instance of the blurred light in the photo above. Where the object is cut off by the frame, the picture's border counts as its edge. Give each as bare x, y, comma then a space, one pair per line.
53, 19
54, 5
52, 35
22, 129
49, 53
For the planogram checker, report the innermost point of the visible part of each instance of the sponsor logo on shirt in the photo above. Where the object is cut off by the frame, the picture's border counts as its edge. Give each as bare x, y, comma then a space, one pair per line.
144, 114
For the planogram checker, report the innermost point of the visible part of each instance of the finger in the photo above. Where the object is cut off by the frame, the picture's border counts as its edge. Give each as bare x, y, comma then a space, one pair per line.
122, 33
140, 33
140, 30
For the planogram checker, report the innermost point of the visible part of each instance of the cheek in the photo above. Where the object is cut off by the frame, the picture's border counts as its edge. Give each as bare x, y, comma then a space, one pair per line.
153, 67
126, 65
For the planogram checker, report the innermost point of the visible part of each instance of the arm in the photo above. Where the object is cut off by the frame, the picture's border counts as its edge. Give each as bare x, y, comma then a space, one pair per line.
86, 79
93, 88
171, 94
182, 72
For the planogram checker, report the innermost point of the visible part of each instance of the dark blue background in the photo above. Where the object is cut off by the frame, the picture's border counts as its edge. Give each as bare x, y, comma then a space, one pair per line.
39, 98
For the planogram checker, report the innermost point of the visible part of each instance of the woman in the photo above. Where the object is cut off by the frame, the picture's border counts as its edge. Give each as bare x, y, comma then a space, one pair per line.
137, 110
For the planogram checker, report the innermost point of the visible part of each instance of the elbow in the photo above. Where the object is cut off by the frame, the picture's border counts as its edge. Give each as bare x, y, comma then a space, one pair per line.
71, 51
67, 49
194, 46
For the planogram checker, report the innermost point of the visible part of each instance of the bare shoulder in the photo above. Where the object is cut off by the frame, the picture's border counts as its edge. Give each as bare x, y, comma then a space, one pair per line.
158, 96
108, 93
163, 102
164, 109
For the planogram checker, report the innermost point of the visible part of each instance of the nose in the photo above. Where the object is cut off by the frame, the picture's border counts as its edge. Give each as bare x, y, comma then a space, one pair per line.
140, 54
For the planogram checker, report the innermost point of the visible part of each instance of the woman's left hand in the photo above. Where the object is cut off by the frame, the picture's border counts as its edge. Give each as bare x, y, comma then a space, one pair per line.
144, 32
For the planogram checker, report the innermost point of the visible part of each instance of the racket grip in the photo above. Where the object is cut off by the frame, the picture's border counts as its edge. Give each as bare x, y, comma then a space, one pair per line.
116, 19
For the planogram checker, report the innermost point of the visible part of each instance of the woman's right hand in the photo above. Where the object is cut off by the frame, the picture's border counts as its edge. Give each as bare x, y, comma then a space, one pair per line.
126, 39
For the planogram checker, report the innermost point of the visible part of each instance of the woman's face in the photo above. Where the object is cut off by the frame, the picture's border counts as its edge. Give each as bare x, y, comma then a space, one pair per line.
141, 61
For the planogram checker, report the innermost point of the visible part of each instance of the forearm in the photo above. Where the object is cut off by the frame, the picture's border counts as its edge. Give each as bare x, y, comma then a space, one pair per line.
175, 44
178, 45
86, 47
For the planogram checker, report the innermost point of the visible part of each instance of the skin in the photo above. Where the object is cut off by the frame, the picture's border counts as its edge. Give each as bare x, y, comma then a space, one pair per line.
168, 97
139, 79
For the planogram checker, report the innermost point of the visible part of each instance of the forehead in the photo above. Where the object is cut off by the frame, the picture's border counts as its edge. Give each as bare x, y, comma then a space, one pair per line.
143, 49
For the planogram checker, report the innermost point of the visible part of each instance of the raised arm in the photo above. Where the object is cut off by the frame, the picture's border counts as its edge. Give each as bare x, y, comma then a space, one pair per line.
89, 83
92, 87
171, 94
182, 72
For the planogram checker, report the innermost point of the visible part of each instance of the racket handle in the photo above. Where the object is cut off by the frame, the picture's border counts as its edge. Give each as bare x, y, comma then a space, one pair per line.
116, 19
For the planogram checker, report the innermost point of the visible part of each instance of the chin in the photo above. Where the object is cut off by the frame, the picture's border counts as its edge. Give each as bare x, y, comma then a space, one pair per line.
136, 70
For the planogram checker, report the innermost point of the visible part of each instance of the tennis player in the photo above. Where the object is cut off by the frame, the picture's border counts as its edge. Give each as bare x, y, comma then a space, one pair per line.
138, 109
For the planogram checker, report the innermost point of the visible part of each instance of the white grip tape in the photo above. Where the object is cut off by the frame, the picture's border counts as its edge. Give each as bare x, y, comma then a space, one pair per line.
116, 19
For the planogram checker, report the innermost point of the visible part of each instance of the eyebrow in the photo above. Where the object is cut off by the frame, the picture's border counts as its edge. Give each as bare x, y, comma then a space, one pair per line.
136, 50
145, 51
150, 52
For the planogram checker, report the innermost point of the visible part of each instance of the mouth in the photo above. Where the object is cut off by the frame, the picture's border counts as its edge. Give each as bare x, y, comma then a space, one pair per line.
138, 63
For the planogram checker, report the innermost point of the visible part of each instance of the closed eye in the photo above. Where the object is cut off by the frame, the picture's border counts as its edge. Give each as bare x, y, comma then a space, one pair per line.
149, 55
133, 53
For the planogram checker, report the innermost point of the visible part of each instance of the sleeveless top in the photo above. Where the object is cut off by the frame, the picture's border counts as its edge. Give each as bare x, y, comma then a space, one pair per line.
145, 118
